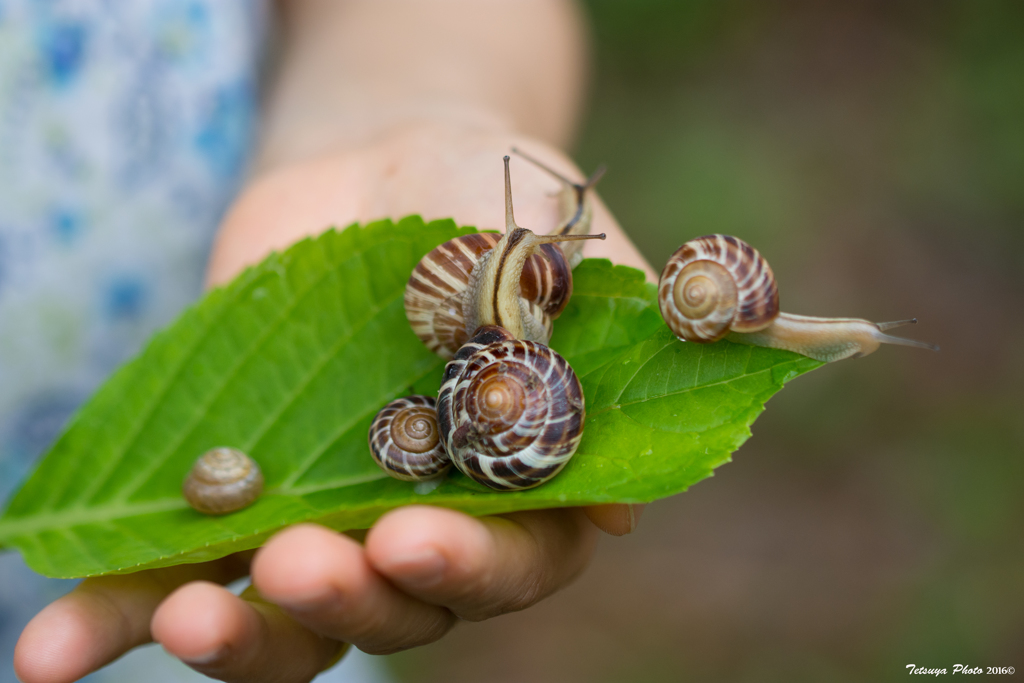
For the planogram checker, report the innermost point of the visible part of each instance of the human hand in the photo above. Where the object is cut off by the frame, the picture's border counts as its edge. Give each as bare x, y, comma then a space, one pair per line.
420, 568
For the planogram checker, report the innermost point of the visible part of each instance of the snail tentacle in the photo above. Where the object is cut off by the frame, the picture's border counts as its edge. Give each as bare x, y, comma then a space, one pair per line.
575, 206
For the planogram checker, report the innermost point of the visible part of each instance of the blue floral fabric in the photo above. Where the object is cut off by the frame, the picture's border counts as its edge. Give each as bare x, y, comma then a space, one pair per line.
125, 128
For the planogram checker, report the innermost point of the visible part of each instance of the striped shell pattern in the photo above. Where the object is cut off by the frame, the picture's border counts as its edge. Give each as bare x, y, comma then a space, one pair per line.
405, 442
437, 290
510, 412
716, 284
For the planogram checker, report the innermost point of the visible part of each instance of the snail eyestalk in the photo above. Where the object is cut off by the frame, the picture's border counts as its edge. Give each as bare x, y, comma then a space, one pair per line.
494, 284
896, 323
579, 187
575, 208
510, 221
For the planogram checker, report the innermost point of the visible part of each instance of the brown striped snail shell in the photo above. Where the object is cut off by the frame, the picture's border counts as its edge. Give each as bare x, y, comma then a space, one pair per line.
511, 412
719, 286
518, 280
222, 480
716, 284
436, 296
405, 441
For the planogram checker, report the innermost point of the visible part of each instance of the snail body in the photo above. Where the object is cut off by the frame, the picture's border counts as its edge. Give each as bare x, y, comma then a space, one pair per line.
827, 339
405, 441
510, 411
718, 286
222, 480
518, 280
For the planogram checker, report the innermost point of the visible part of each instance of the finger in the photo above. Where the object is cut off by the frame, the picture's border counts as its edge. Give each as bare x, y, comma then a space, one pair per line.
101, 619
230, 638
323, 580
480, 568
615, 519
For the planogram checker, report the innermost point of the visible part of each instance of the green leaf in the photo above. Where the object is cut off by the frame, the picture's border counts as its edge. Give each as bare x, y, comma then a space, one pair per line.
291, 361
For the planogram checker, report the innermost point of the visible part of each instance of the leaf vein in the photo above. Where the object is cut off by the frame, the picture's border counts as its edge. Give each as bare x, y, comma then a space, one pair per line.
132, 486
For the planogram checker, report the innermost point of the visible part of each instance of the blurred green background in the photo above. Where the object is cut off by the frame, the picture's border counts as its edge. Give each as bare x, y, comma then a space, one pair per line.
874, 153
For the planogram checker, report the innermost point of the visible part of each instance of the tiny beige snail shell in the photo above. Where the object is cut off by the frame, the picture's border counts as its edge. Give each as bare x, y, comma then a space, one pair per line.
405, 442
718, 286
510, 411
222, 480
518, 280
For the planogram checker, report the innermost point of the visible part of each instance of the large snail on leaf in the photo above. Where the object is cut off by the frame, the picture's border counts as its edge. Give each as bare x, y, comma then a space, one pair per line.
510, 411
718, 286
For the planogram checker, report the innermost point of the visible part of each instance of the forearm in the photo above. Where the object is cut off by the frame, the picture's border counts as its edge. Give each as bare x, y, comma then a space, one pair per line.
352, 70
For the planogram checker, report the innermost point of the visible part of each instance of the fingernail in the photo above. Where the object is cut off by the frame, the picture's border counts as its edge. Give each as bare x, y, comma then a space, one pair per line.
313, 602
207, 658
422, 568
635, 512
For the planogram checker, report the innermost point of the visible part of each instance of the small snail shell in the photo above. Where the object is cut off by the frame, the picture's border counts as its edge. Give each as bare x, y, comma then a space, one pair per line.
222, 480
518, 280
405, 442
719, 286
716, 284
511, 412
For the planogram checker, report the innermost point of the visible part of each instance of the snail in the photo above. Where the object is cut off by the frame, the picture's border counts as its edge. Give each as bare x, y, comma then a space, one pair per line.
404, 440
719, 286
510, 411
222, 480
518, 280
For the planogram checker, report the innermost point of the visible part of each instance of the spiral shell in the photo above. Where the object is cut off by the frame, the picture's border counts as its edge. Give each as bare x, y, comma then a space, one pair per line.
510, 411
437, 292
716, 284
405, 442
222, 480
